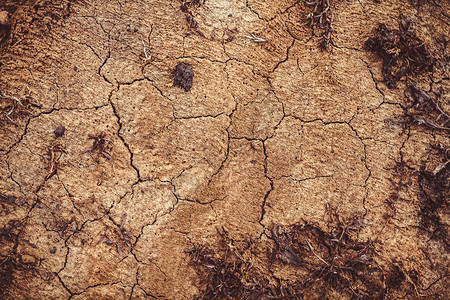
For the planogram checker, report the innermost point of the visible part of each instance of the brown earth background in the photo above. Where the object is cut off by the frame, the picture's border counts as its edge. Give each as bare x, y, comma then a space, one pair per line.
287, 171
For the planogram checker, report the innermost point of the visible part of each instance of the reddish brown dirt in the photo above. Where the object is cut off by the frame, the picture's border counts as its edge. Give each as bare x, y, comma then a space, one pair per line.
278, 146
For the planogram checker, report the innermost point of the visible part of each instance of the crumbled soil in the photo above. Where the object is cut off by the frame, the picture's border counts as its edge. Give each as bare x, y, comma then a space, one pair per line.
224, 149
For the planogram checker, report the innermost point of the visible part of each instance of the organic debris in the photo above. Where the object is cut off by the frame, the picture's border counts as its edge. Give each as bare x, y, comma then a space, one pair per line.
426, 110
434, 184
225, 272
335, 260
434, 195
402, 52
321, 17
55, 151
186, 8
100, 144
331, 263
183, 76
12, 262
120, 238
13, 107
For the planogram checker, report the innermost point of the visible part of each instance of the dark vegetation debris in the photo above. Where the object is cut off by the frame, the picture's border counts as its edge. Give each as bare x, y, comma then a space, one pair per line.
186, 8
226, 273
329, 263
335, 260
321, 17
425, 110
183, 76
13, 107
118, 237
55, 151
433, 176
434, 195
100, 143
434, 181
402, 52
15, 265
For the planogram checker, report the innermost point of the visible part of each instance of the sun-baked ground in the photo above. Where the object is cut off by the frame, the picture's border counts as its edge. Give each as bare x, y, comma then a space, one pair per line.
224, 149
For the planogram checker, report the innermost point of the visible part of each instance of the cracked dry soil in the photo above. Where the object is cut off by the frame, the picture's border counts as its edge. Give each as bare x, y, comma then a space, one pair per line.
285, 172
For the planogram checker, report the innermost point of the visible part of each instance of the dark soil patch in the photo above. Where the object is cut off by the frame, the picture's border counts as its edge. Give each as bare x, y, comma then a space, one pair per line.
402, 52
435, 194
333, 261
425, 109
11, 260
5, 26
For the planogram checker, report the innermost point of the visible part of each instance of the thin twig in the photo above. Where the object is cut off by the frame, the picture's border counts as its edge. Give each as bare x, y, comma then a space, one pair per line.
147, 57
314, 252
429, 123
255, 39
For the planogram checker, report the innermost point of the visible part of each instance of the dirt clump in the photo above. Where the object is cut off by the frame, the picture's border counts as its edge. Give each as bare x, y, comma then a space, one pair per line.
59, 131
183, 76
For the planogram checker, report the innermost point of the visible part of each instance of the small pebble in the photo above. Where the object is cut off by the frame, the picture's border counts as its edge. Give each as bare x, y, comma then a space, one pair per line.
135, 29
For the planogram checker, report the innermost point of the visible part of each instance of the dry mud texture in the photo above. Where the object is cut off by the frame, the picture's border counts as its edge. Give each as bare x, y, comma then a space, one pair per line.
270, 135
